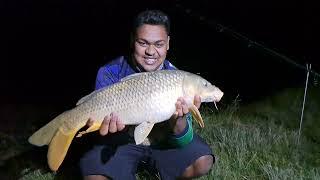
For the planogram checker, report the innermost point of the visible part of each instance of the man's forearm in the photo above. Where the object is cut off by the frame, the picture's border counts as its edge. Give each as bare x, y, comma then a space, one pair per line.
182, 136
180, 125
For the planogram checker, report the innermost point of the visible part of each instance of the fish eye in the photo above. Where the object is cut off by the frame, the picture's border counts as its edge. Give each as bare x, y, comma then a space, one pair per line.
205, 84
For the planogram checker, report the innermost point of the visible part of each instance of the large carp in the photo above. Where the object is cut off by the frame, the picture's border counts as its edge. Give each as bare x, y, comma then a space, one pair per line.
141, 99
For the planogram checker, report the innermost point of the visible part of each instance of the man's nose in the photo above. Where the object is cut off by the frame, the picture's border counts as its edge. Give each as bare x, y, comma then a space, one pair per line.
150, 50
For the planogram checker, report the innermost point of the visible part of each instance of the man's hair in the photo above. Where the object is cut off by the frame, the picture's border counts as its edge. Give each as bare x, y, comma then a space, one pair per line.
152, 17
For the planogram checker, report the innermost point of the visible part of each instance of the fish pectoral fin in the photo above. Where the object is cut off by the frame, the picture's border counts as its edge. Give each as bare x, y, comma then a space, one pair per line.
94, 127
58, 148
196, 115
142, 131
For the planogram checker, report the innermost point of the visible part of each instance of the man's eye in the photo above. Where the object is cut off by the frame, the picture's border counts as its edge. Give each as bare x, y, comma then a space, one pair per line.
159, 45
142, 43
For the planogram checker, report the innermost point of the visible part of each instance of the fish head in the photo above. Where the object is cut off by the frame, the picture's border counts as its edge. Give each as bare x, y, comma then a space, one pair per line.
194, 84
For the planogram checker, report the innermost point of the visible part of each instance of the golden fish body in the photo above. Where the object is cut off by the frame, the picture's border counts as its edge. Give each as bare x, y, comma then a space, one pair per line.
141, 99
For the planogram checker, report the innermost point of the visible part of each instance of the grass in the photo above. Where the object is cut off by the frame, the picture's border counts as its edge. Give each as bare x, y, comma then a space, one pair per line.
255, 141
259, 151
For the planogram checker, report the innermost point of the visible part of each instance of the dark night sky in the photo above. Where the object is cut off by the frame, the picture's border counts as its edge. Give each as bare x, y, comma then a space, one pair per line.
52, 49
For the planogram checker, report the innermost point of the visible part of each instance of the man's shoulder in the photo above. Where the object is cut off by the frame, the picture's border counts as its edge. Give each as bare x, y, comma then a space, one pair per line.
168, 65
115, 63
111, 72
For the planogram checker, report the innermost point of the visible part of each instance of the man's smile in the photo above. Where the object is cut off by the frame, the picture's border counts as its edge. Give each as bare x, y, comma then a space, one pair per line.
150, 61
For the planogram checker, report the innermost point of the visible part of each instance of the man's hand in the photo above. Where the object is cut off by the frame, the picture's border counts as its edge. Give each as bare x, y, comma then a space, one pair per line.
178, 120
181, 106
110, 124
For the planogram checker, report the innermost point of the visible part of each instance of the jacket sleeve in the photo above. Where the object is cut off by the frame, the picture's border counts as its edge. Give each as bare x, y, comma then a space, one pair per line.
106, 76
184, 138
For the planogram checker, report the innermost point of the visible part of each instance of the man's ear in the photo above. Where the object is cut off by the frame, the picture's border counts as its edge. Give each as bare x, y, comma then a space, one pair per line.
168, 43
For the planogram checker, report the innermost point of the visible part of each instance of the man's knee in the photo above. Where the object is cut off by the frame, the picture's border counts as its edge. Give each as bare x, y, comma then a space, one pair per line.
95, 177
200, 167
203, 165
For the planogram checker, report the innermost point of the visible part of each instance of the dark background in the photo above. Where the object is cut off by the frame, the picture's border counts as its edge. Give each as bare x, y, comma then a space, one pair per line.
51, 50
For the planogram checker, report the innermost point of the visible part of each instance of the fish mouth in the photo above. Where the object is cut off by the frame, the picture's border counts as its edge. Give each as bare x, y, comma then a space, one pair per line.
211, 99
213, 96
217, 96
214, 99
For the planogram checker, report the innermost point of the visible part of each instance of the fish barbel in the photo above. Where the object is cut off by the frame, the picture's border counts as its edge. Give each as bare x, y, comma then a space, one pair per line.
141, 99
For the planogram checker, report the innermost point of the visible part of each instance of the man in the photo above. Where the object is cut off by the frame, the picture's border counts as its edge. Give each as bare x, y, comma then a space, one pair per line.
174, 151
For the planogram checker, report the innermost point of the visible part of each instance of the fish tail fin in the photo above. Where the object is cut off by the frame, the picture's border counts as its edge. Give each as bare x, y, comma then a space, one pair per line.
44, 135
58, 136
58, 147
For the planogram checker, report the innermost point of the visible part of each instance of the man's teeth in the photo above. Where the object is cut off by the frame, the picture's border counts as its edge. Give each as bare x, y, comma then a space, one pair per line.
150, 60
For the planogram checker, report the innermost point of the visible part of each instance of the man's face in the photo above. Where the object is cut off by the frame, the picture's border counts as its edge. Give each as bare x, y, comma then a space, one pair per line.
150, 46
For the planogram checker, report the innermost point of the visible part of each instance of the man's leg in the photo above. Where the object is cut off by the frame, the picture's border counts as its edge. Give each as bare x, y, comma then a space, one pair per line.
120, 163
199, 168
95, 177
193, 160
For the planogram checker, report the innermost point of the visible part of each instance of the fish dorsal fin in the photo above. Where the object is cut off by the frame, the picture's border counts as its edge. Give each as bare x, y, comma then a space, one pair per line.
133, 76
89, 96
142, 131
